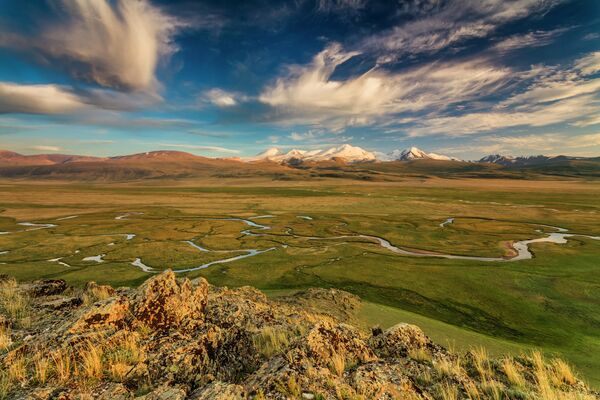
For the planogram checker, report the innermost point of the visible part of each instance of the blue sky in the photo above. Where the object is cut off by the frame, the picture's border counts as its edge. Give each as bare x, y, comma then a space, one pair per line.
223, 78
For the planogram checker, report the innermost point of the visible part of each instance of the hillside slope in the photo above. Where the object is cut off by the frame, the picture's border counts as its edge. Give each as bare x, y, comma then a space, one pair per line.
179, 339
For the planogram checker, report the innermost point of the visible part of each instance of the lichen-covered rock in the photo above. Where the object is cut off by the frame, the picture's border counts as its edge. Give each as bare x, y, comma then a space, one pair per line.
165, 392
47, 287
398, 340
111, 313
327, 340
62, 302
219, 391
163, 303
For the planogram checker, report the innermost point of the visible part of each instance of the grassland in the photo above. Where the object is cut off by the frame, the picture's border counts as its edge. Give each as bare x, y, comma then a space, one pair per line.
551, 302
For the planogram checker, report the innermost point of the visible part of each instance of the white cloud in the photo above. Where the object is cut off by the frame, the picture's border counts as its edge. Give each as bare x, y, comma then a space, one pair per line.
199, 147
309, 94
38, 99
528, 40
589, 64
450, 23
45, 148
221, 98
556, 96
116, 44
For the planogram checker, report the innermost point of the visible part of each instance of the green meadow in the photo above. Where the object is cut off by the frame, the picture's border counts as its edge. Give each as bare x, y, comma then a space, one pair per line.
551, 301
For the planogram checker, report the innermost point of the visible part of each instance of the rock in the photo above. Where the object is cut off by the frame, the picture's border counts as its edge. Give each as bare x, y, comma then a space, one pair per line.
64, 302
326, 340
110, 313
219, 391
382, 381
162, 303
398, 340
166, 392
308, 396
47, 287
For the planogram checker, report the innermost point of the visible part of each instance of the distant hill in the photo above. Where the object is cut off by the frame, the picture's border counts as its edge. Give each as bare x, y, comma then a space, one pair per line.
343, 162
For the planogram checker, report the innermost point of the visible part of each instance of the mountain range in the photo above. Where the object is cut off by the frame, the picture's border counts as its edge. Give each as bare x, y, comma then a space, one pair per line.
346, 161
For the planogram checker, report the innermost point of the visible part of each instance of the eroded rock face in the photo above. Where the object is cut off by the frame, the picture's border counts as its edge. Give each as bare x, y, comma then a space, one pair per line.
112, 313
163, 303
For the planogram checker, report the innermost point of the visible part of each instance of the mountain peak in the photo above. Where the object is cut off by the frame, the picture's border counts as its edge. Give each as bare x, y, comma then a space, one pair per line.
414, 153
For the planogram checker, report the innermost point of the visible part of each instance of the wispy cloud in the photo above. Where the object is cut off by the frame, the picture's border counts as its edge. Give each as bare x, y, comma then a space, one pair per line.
558, 95
528, 40
450, 23
45, 148
116, 44
309, 93
199, 147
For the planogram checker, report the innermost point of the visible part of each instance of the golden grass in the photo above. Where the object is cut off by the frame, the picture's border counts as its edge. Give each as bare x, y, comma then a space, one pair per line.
41, 368
14, 302
419, 354
91, 361
17, 369
118, 370
562, 373
448, 367
481, 362
471, 390
290, 388
337, 364
512, 371
448, 392
62, 360
96, 293
5, 339
5, 385
270, 341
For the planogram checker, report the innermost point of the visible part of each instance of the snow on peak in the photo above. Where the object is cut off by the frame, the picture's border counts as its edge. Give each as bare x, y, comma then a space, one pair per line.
414, 153
346, 151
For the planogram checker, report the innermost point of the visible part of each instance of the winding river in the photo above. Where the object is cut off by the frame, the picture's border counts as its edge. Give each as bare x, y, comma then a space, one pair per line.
521, 248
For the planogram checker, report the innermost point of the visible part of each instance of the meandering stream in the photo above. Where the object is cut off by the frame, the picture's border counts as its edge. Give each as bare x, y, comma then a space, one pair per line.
521, 247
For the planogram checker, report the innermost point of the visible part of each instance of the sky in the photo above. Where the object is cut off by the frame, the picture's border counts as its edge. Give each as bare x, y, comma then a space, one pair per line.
464, 78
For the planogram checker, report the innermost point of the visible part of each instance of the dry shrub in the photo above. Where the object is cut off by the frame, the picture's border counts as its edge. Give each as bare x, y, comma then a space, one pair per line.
17, 369
449, 367
448, 392
41, 368
562, 373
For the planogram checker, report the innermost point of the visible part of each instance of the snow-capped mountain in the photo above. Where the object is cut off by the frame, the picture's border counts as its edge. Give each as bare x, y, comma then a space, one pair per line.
524, 160
347, 152
414, 153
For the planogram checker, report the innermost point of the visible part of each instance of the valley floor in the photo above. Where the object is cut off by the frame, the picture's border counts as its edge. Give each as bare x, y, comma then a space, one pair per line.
81, 232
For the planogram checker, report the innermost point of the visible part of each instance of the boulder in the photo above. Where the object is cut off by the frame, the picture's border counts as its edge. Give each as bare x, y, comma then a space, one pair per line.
163, 303
398, 340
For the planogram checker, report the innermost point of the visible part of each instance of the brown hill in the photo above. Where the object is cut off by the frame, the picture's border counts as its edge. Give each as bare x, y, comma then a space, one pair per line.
179, 339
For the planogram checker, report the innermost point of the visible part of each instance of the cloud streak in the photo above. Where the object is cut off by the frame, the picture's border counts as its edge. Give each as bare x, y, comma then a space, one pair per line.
114, 44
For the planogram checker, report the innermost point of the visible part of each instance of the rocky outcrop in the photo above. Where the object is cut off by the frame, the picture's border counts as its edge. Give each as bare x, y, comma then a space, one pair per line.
180, 339
162, 303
